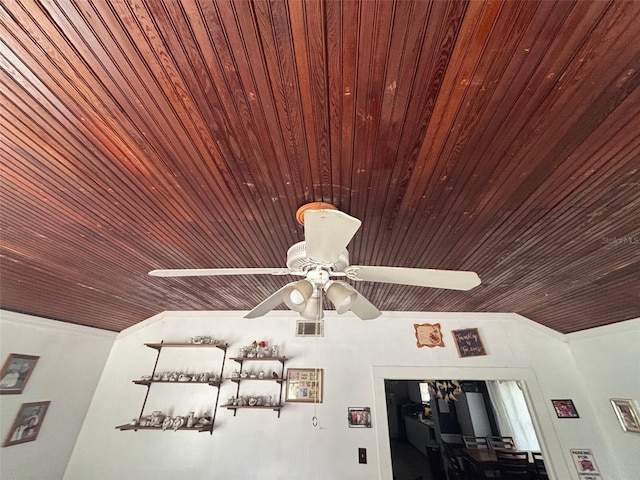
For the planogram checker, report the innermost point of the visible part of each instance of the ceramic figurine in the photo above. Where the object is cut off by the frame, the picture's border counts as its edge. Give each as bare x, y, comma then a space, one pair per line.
190, 419
177, 423
167, 423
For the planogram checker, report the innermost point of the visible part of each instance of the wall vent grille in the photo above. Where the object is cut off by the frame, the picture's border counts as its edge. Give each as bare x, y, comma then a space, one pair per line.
310, 328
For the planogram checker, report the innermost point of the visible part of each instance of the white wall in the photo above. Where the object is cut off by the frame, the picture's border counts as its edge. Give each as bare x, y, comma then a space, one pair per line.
356, 357
608, 359
71, 361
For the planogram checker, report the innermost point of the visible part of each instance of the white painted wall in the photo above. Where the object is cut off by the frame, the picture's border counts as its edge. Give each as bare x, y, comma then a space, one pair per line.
608, 359
71, 362
356, 357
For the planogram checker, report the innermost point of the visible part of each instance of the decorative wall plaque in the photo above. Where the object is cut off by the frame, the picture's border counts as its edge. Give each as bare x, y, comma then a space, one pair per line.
468, 342
428, 335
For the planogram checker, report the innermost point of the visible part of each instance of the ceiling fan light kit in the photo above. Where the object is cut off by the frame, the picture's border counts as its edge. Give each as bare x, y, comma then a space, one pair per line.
341, 294
323, 254
296, 294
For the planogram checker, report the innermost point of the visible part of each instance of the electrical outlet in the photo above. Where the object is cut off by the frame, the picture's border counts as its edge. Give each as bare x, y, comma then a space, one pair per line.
362, 455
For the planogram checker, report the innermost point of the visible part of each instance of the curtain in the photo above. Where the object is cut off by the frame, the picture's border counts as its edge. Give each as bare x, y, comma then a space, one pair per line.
512, 414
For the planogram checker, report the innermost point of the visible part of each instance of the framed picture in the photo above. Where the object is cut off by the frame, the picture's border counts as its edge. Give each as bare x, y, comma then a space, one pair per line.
359, 417
565, 408
428, 335
628, 414
15, 372
27, 423
468, 342
304, 385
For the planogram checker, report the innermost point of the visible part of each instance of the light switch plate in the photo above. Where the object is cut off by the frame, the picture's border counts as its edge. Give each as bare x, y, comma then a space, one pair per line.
362, 455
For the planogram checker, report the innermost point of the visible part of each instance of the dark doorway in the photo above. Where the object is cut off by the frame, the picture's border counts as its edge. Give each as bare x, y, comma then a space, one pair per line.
424, 429
414, 451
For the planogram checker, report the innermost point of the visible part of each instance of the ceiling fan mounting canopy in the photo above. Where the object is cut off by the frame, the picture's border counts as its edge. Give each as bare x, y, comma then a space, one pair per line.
323, 254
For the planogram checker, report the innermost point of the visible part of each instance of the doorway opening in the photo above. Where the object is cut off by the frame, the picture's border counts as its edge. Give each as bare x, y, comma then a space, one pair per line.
428, 421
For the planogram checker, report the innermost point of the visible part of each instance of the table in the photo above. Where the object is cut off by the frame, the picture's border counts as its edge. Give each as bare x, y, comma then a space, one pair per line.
481, 461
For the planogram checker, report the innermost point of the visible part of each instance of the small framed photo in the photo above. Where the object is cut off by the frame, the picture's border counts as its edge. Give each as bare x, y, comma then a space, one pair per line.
359, 417
627, 413
304, 385
27, 424
16, 372
565, 409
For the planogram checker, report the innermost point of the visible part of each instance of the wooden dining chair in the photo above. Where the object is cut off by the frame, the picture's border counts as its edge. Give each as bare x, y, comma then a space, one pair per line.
513, 465
453, 461
539, 466
475, 442
501, 442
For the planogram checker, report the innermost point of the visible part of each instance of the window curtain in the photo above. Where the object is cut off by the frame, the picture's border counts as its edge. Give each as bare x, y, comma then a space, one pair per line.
512, 414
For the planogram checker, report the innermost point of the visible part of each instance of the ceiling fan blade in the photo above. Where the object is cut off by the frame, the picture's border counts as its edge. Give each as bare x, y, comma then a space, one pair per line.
327, 233
364, 309
203, 272
268, 304
420, 277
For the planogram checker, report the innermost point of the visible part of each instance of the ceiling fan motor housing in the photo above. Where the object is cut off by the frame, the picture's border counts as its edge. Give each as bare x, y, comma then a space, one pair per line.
297, 260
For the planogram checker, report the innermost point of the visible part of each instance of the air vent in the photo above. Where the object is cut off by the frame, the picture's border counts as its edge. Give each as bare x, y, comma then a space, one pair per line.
309, 328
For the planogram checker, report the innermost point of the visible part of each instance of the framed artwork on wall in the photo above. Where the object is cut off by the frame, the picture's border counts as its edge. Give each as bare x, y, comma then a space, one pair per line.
428, 335
304, 385
627, 413
468, 342
565, 408
359, 417
27, 423
16, 372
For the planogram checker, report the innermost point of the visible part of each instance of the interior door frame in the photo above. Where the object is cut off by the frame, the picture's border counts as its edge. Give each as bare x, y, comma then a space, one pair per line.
555, 462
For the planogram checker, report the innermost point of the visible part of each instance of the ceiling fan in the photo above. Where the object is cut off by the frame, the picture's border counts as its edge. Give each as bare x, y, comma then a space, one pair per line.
322, 255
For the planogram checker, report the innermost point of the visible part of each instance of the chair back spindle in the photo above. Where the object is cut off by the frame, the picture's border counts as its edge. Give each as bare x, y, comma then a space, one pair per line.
475, 442
501, 442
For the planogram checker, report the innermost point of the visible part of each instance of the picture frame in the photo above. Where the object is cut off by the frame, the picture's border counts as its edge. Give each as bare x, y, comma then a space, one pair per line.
428, 335
628, 414
468, 342
15, 373
359, 417
304, 385
27, 423
565, 408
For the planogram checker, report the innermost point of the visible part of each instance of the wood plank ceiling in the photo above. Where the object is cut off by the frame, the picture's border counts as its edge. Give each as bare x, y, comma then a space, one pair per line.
500, 137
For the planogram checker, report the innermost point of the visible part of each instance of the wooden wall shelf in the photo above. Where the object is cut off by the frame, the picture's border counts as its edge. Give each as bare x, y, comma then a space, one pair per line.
148, 383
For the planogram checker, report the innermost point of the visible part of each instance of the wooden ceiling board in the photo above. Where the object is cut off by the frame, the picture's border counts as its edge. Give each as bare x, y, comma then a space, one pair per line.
498, 136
